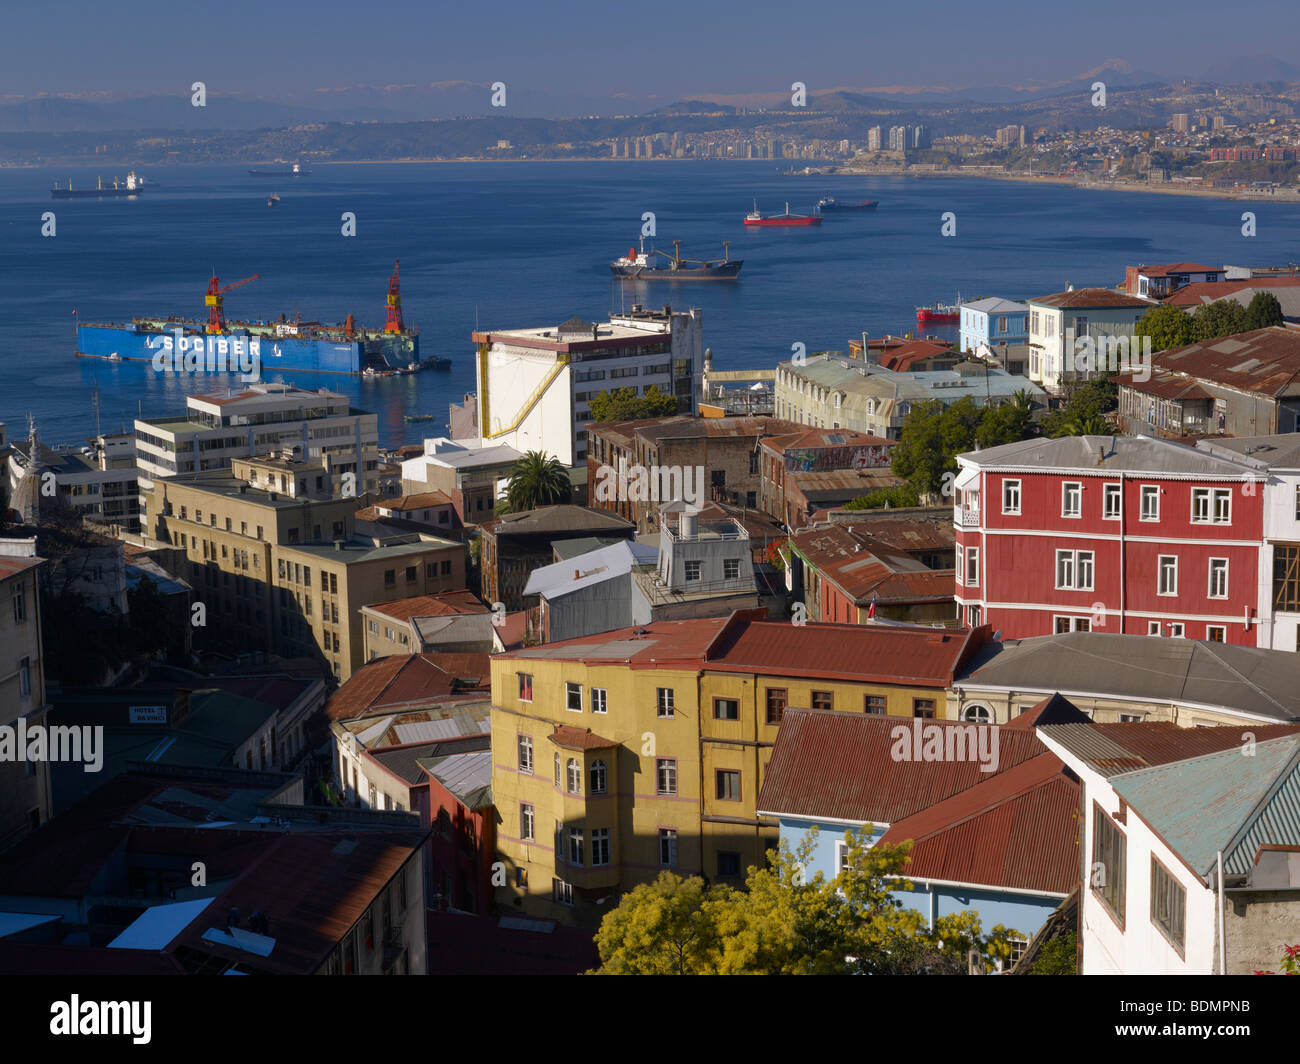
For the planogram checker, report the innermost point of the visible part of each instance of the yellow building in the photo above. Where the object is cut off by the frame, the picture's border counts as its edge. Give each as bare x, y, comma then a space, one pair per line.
621, 754
286, 571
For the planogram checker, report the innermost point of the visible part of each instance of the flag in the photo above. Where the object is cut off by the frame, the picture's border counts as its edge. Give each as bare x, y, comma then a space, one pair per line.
871, 610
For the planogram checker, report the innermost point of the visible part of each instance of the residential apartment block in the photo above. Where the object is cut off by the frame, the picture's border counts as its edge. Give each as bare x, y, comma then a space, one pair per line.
1128, 535
1060, 321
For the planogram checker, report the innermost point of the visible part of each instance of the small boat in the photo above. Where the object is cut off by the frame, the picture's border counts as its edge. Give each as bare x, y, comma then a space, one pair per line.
419, 417
830, 203
370, 371
756, 217
274, 199
115, 357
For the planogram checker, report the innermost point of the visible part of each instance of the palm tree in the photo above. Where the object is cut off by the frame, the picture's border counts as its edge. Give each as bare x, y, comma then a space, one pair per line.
1088, 425
1023, 400
537, 479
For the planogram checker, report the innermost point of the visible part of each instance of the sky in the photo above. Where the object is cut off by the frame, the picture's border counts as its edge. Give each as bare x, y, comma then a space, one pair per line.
666, 49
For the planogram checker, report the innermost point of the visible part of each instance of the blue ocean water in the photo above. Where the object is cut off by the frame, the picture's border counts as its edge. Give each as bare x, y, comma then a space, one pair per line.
510, 245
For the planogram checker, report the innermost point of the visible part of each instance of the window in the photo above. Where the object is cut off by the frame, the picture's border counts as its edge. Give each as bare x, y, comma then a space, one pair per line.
599, 777
412, 572
1011, 496
1071, 499
1074, 570
692, 570
559, 772
728, 863
575, 776
1110, 502
666, 775
726, 709
1200, 505
923, 707
599, 700
561, 892
1297, 502
525, 686
668, 847
1286, 578
972, 566
526, 821
1071, 624
973, 616
1168, 581
728, 784
575, 846
731, 568
1131, 718
1153, 627
1176, 631
874, 704
526, 754
600, 846
1168, 904
20, 605
823, 700
1216, 633
1218, 578
961, 566
573, 697
977, 714
25, 678
664, 696
390, 577
841, 856
1108, 851
1150, 502
776, 703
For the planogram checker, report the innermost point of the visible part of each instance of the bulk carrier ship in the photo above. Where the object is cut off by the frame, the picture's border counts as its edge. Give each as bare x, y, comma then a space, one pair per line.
298, 345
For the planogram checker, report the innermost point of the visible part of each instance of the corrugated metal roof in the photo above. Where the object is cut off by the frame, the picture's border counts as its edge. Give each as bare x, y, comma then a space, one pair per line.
837, 765
1223, 801
1113, 749
1105, 455
1264, 360
462, 774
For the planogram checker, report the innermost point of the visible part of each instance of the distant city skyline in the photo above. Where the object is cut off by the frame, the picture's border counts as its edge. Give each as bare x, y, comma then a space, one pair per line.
574, 48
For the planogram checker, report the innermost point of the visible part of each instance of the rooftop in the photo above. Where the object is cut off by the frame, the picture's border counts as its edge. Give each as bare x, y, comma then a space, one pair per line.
863, 567
1079, 298
996, 306
560, 518
1266, 361
1106, 455
407, 682
586, 570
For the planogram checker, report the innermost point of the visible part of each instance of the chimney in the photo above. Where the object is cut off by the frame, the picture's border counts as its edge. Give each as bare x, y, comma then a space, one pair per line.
1101, 455
338, 544
577, 574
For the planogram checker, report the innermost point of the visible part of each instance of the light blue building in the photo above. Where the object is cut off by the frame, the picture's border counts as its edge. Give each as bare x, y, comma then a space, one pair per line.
993, 322
999, 843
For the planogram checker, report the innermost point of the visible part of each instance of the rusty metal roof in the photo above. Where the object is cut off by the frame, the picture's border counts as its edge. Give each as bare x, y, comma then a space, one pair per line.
573, 738
1016, 829
1199, 293
408, 681
1164, 384
1112, 749
861, 567
833, 765
1264, 360
1091, 297
812, 439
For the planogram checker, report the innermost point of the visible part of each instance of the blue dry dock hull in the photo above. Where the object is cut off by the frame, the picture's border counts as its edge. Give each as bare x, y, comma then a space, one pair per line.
189, 347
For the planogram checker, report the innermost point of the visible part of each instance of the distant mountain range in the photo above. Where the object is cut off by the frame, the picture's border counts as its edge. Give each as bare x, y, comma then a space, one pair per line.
452, 99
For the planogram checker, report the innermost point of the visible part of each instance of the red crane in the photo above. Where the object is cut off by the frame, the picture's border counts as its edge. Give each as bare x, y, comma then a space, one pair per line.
216, 318
394, 323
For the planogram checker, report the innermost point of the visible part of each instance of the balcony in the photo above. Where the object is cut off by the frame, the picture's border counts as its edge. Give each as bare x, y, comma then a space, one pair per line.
965, 518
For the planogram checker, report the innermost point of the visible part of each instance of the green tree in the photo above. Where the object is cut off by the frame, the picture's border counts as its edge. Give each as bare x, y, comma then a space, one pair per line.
1264, 311
894, 496
624, 405
1086, 406
1007, 423
919, 457
1059, 956
537, 479
1167, 326
1223, 317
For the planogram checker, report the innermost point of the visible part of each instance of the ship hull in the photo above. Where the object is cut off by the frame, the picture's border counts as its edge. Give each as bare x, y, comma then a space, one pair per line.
92, 193
727, 271
936, 317
157, 342
782, 221
870, 205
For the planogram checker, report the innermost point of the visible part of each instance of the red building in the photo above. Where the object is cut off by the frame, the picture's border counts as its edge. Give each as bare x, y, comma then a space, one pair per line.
1129, 535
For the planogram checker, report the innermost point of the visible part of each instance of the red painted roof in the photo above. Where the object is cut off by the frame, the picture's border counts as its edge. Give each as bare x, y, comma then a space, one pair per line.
835, 765
414, 502
13, 566
904, 356
1015, 829
1177, 267
1200, 292
813, 439
863, 567
405, 680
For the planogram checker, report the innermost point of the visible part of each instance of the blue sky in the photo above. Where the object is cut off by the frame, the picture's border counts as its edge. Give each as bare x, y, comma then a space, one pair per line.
667, 48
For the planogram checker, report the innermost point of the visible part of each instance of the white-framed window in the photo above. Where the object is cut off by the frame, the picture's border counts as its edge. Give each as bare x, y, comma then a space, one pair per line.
600, 846
1153, 627
1111, 501
961, 566
1176, 630
972, 566
1218, 578
1200, 505
1074, 570
559, 771
664, 698
527, 821
977, 714
575, 776
1071, 499
1011, 496
599, 777
1216, 633
561, 892
1063, 623
1131, 718
731, 568
668, 847
1222, 513
841, 856
573, 697
599, 700
1150, 502
1167, 567
666, 775
692, 570
575, 846
526, 754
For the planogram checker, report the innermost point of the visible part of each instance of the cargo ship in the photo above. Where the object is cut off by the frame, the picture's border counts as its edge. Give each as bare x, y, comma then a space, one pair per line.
295, 170
940, 313
756, 217
222, 345
829, 203
132, 186
641, 266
